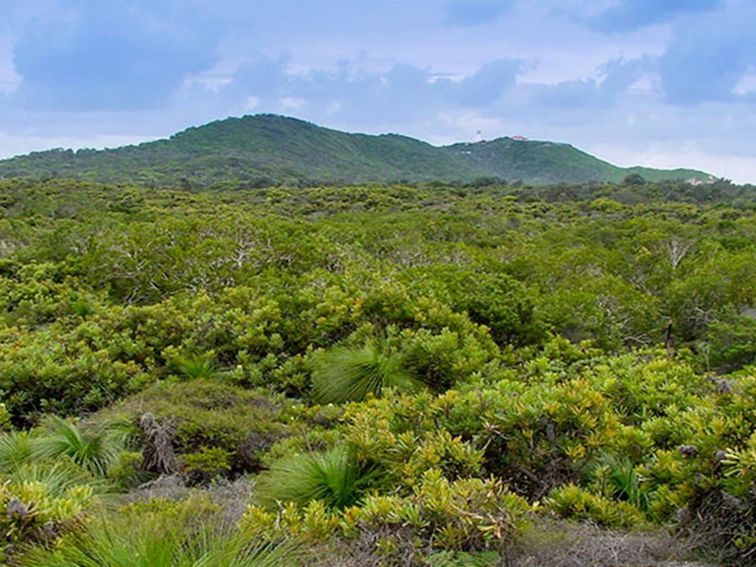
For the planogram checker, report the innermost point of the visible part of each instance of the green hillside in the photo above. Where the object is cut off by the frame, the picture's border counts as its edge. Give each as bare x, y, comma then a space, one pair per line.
544, 163
267, 150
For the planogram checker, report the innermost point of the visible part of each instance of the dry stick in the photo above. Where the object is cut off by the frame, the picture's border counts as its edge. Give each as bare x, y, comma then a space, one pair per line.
160, 455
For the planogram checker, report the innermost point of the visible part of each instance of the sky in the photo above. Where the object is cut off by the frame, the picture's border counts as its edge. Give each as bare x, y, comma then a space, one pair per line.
662, 83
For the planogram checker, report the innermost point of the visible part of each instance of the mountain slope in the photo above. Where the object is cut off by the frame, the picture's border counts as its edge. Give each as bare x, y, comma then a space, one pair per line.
266, 149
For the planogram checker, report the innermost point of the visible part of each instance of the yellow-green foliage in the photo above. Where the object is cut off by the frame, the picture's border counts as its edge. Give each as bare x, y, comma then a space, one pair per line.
573, 502
38, 502
590, 358
470, 513
161, 533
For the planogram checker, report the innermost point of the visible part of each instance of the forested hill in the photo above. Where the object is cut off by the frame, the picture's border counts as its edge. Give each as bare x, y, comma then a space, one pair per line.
265, 150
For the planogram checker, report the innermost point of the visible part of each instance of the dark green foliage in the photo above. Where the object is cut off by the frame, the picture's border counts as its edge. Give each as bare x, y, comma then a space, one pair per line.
634, 179
128, 471
732, 343
215, 428
205, 465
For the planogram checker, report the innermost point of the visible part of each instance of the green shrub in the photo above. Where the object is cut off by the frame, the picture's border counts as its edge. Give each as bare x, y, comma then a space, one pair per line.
209, 414
128, 471
39, 502
573, 502
463, 515
205, 465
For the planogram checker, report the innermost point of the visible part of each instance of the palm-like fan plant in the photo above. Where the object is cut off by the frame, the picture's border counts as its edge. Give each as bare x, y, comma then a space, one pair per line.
148, 542
94, 449
56, 477
335, 477
15, 450
347, 374
197, 366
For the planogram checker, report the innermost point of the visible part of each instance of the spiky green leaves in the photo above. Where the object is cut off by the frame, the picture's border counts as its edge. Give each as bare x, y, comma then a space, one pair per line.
151, 541
94, 450
196, 366
348, 374
335, 477
15, 450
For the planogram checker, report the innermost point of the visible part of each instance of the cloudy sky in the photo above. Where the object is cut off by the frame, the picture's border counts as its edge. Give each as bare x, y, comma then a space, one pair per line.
655, 82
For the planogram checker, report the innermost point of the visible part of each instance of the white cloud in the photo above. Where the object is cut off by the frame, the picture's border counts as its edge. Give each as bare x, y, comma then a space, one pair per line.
9, 78
251, 103
674, 154
747, 83
289, 103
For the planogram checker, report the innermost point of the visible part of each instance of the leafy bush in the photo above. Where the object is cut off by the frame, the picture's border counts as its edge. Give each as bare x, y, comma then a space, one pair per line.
573, 502
208, 415
39, 502
205, 465
467, 514
128, 471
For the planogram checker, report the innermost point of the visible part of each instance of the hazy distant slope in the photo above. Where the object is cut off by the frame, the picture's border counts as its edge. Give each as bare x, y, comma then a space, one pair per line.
539, 163
266, 149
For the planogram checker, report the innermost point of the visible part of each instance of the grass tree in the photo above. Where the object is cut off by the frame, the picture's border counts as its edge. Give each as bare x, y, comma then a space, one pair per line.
195, 366
350, 374
152, 542
15, 450
94, 449
334, 477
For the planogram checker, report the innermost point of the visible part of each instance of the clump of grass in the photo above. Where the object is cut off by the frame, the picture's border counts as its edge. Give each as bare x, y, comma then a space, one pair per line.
56, 478
15, 450
146, 541
621, 481
196, 366
334, 477
348, 374
82, 308
94, 449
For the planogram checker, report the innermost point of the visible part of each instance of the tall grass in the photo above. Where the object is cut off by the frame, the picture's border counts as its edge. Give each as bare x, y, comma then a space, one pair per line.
196, 366
621, 481
56, 477
15, 450
334, 477
96, 450
348, 374
151, 541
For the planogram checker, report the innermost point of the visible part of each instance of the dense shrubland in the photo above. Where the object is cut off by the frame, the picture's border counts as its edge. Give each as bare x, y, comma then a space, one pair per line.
414, 375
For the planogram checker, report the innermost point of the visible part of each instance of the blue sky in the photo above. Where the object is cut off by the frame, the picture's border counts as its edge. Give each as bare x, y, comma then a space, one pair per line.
664, 83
